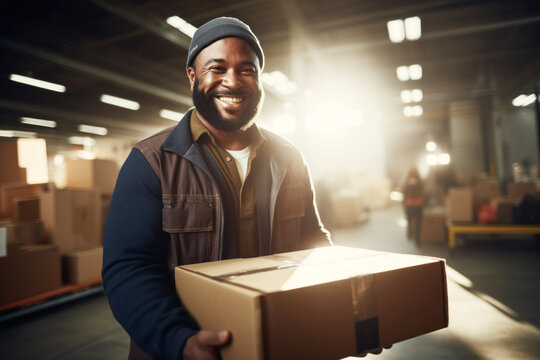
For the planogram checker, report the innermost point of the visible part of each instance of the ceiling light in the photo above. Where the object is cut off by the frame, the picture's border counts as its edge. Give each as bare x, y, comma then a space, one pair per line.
38, 122
408, 111
431, 159
15, 133
81, 140
417, 95
406, 96
37, 83
116, 101
97, 130
171, 115
415, 72
524, 100
396, 30
182, 25
417, 110
413, 28
431, 146
443, 159
402, 73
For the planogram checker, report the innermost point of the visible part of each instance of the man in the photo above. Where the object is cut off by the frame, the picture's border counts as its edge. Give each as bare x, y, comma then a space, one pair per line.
213, 187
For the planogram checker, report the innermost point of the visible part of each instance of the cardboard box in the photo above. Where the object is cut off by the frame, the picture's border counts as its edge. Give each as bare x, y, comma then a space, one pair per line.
28, 232
516, 191
459, 205
28, 270
83, 266
484, 191
72, 218
100, 174
27, 208
10, 172
505, 209
11, 192
325, 303
433, 229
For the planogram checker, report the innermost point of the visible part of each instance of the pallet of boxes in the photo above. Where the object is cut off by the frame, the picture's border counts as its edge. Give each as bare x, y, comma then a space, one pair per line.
51, 237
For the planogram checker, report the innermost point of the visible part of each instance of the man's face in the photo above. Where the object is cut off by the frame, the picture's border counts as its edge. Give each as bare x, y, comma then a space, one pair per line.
225, 84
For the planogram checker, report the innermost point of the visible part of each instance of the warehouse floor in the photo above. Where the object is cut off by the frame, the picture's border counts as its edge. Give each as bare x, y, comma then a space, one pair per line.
493, 288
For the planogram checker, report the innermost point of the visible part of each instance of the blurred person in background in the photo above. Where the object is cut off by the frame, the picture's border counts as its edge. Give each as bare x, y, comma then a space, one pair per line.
413, 203
214, 187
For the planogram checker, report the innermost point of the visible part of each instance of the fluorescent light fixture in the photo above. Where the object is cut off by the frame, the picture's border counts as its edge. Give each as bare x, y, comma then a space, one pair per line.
406, 96
443, 159
417, 95
413, 28
396, 30
117, 101
171, 115
15, 133
431, 146
97, 130
524, 100
402, 73
37, 83
417, 110
431, 159
408, 111
81, 140
415, 72
182, 25
38, 122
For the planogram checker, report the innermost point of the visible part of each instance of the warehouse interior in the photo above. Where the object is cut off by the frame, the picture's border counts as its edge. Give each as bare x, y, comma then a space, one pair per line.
366, 90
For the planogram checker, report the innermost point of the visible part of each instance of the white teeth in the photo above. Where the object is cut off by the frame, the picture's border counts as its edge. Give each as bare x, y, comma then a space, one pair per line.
231, 100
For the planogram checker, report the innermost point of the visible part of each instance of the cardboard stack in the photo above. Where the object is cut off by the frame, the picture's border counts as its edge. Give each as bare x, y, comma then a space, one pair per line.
433, 228
28, 270
460, 205
20, 201
325, 303
9, 158
517, 190
83, 266
99, 174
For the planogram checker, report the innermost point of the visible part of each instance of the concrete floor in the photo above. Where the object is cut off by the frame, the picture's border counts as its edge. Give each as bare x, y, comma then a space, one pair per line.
493, 289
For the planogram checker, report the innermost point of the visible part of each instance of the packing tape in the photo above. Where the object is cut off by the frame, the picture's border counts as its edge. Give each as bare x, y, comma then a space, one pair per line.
365, 313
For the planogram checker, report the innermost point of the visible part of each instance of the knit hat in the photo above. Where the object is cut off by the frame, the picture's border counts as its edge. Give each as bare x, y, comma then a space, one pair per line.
220, 28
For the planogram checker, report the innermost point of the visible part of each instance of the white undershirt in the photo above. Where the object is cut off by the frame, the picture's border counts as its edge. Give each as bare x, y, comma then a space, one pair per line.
241, 158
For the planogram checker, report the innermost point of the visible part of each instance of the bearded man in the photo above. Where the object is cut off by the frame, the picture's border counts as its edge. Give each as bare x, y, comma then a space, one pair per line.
216, 186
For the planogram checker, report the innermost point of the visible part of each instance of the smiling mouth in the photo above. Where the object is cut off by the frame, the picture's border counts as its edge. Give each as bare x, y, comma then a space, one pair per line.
231, 99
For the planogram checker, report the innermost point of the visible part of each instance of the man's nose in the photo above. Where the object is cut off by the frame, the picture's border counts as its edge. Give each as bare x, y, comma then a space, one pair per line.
232, 79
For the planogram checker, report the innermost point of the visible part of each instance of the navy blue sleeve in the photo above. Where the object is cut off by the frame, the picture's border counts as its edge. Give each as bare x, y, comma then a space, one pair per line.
135, 275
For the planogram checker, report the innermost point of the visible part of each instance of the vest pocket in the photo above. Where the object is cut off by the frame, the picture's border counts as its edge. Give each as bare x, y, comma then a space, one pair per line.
185, 214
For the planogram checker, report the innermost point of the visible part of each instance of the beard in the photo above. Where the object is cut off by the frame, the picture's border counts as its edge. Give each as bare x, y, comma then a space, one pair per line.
205, 105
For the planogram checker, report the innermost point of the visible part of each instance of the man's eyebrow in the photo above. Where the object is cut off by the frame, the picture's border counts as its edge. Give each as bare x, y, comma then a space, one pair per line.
214, 60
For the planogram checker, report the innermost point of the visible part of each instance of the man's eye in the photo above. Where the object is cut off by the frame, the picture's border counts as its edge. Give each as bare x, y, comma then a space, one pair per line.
249, 71
217, 68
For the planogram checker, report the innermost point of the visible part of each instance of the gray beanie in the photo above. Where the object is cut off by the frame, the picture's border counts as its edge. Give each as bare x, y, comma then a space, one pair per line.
220, 28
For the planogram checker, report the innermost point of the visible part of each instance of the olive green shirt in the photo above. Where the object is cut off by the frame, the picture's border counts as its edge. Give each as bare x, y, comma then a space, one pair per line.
244, 199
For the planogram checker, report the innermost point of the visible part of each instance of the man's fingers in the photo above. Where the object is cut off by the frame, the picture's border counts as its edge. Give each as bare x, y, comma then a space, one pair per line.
214, 338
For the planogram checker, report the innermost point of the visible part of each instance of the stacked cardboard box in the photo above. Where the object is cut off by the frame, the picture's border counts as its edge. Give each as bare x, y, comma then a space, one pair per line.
97, 174
12, 195
28, 270
83, 266
72, 218
28, 232
517, 190
9, 160
325, 303
484, 191
460, 205
433, 228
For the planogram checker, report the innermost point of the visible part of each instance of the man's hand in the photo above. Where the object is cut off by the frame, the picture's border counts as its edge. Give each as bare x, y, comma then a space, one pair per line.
202, 345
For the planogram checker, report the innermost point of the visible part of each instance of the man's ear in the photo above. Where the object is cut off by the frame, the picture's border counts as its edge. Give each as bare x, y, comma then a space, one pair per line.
191, 76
